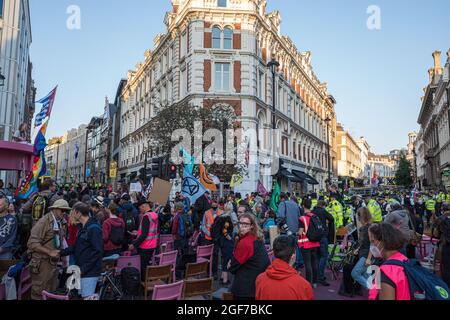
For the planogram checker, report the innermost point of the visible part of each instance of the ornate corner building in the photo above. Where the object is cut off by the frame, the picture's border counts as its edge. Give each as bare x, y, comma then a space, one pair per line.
216, 52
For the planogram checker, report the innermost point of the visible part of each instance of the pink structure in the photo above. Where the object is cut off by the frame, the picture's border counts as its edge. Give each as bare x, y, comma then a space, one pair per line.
16, 156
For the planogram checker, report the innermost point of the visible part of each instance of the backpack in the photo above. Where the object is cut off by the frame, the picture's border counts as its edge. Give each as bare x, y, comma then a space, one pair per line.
128, 218
315, 229
423, 284
185, 226
217, 228
130, 279
39, 207
117, 235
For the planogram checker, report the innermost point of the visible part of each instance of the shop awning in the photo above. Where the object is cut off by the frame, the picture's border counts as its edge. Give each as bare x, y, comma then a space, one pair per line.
16, 156
305, 177
290, 176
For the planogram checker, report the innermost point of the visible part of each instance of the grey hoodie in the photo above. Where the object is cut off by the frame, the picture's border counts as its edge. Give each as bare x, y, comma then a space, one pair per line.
400, 220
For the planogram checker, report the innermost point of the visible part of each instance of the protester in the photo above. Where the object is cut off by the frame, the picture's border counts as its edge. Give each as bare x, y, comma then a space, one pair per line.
130, 216
182, 229
281, 281
87, 249
249, 258
98, 210
328, 224
359, 272
206, 230
386, 243
147, 235
443, 227
39, 204
8, 229
113, 232
309, 248
202, 205
268, 222
46, 239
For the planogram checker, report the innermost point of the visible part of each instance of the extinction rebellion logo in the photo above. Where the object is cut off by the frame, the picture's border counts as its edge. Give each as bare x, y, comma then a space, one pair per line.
442, 292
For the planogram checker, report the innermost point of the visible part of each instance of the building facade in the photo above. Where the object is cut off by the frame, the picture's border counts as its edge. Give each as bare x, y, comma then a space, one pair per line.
65, 156
434, 123
349, 154
383, 167
365, 166
216, 52
16, 95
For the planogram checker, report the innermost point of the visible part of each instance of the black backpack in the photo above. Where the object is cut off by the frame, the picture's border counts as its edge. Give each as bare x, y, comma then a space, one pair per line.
315, 229
117, 235
188, 226
128, 218
131, 281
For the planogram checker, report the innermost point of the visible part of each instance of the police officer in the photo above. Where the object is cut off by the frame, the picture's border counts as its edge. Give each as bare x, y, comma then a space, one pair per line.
45, 241
374, 208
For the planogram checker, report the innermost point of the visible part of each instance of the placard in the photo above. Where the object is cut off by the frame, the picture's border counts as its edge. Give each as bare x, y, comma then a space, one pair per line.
160, 192
135, 187
273, 233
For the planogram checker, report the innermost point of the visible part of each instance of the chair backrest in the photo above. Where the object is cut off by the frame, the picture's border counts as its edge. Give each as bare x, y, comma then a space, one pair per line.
124, 262
196, 269
50, 296
168, 258
205, 251
200, 287
193, 242
24, 283
158, 273
171, 291
164, 238
2, 292
227, 296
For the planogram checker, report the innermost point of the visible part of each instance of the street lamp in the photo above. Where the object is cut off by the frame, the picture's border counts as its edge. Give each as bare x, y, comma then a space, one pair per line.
2, 78
328, 120
58, 142
273, 66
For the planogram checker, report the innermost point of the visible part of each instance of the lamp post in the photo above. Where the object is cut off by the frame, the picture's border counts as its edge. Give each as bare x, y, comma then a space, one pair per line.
273, 66
2, 78
58, 142
328, 120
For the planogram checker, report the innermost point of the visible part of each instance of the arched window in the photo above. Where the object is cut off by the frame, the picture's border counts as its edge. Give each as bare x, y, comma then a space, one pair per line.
227, 38
216, 32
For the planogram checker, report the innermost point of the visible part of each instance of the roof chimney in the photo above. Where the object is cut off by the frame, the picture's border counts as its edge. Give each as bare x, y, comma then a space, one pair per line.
437, 62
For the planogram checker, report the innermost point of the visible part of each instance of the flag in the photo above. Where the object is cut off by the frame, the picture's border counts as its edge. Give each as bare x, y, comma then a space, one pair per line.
149, 188
188, 159
77, 149
191, 188
206, 180
39, 142
236, 180
261, 189
27, 187
47, 104
375, 178
274, 201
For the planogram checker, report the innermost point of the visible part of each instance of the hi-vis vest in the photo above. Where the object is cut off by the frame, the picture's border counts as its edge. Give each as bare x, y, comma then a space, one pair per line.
335, 209
313, 203
375, 210
151, 240
209, 220
430, 204
448, 197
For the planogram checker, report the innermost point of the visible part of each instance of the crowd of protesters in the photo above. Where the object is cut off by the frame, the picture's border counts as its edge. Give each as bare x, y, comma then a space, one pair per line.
81, 225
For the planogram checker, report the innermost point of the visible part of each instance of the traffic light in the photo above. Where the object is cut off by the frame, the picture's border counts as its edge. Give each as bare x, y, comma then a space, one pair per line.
172, 171
156, 167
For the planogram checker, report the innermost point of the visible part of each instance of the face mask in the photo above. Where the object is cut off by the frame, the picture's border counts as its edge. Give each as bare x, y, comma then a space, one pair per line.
376, 253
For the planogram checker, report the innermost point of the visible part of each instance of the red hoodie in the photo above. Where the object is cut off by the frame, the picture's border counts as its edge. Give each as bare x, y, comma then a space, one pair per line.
282, 282
106, 231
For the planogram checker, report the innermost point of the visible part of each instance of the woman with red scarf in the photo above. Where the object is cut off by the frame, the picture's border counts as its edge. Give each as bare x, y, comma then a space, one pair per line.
249, 259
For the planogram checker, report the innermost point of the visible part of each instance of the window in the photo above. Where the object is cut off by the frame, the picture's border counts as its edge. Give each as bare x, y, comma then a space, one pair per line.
183, 44
216, 38
227, 38
1, 8
222, 77
222, 3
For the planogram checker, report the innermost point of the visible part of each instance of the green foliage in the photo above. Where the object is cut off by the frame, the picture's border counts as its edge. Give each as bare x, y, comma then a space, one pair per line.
403, 174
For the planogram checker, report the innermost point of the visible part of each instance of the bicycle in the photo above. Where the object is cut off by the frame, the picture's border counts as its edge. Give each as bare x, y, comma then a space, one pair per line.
110, 287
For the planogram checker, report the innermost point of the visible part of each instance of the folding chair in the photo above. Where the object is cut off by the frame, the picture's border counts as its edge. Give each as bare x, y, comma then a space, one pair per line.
172, 291
156, 275
199, 269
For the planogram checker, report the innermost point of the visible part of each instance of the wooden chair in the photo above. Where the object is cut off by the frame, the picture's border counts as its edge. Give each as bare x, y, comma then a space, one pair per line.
198, 287
227, 296
197, 270
156, 275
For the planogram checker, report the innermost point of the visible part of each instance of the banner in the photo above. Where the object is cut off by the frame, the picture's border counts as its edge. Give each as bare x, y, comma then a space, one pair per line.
188, 159
274, 201
206, 180
261, 189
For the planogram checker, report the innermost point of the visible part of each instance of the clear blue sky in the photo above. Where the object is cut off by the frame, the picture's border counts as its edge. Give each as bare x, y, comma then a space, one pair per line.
376, 76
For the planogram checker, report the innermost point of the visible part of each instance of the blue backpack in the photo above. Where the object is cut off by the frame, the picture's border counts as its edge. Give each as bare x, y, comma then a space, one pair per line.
423, 284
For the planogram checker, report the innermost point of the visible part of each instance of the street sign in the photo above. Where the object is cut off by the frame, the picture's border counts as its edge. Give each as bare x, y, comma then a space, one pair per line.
113, 169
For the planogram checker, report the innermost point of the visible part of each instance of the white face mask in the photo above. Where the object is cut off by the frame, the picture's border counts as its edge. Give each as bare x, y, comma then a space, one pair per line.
376, 253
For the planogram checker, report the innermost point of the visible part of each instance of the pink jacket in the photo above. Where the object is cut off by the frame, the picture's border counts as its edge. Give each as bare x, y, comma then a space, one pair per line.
397, 275
303, 241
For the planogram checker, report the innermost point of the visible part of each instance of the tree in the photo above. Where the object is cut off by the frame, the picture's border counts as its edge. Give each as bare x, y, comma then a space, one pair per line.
403, 174
183, 116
